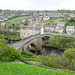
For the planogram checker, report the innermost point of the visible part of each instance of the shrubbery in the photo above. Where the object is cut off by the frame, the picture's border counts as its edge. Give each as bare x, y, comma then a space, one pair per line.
27, 54
62, 42
58, 61
70, 54
9, 54
55, 61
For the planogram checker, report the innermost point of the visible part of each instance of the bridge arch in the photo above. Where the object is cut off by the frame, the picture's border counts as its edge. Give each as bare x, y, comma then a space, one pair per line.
33, 46
43, 38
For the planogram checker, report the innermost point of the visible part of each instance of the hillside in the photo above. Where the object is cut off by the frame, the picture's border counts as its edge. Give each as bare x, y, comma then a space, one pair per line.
18, 68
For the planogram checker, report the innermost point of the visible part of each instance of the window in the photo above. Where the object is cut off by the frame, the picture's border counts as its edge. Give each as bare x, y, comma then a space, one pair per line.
28, 33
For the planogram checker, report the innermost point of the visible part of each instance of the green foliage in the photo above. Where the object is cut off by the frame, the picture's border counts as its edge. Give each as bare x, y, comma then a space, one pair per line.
66, 61
63, 20
70, 54
62, 42
49, 61
17, 27
24, 69
10, 54
14, 37
29, 59
3, 44
71, 22
1, 13
27, 54
55, 61
7, 34
15, 19
25, 23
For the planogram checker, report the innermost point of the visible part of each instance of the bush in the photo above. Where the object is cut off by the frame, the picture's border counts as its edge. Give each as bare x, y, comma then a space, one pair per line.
48, 61
10, 54
55, 61
27, 54
62, 42
70, 54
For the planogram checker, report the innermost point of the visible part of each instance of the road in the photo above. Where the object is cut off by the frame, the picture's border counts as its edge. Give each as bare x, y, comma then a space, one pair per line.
20, 44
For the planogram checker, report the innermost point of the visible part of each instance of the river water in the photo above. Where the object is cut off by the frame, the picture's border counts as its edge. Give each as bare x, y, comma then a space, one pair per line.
48, 50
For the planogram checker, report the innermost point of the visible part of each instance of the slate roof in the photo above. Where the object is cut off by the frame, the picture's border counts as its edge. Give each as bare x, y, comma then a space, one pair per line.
70, 27
31, 27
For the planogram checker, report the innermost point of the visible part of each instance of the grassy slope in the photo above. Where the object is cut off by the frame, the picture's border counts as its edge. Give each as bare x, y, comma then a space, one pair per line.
24, 69
14, 37
15, 19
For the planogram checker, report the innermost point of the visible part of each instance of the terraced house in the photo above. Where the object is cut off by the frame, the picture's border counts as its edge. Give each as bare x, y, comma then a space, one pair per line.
70, 29
28, 31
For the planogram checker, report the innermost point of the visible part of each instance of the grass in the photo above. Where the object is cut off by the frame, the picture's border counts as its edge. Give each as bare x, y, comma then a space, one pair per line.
15, 19
24, 69
1, 13
63, 20
14, 37
29, 59
46, 44
32, 60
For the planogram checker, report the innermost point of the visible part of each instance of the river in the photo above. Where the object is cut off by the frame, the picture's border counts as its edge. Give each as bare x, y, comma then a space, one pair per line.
48, 50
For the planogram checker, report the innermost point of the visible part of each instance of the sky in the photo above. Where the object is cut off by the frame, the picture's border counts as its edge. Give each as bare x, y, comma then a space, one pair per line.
37, 4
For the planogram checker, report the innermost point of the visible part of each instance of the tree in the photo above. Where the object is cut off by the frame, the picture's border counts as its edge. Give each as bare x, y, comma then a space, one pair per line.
25, 23
70, 54
17, 27
8, 53
51, 41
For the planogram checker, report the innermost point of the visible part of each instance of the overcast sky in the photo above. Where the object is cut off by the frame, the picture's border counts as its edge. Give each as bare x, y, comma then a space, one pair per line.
37, 4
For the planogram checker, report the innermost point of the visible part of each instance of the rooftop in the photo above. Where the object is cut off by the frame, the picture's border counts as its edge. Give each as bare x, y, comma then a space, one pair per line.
31, 27
70, 26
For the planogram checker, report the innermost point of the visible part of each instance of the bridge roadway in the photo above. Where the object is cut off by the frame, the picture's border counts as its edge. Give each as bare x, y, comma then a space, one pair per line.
20, 44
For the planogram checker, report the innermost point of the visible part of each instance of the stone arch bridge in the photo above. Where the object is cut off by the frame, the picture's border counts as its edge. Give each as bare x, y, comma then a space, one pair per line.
32, 43
35, 42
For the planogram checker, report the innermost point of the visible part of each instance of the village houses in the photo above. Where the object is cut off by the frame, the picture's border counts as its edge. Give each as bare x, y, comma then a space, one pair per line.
27, 31
70, 29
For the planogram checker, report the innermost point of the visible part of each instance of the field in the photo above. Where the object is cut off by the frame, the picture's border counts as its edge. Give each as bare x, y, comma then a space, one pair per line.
18, 68
15, 19
1, 13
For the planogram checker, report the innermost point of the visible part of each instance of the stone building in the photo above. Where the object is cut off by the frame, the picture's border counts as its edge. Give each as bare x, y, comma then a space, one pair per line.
49, 28
61, 23
54, 28
70, 29
28, 31
59, 29
3, 25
